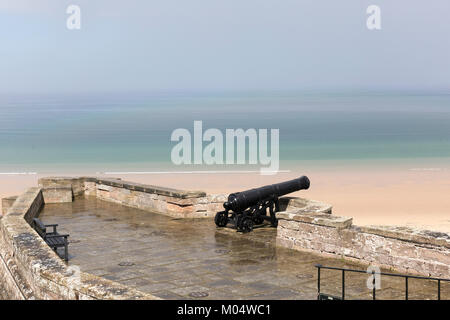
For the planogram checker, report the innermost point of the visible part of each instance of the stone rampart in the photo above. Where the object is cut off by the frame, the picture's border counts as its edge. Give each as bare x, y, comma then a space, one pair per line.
29, 269
400, 248
167, 201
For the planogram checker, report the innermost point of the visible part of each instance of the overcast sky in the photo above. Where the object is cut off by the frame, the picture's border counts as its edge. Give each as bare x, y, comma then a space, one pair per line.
223, 45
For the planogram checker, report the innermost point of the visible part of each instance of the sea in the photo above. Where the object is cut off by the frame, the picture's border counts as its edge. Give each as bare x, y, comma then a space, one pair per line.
107, 133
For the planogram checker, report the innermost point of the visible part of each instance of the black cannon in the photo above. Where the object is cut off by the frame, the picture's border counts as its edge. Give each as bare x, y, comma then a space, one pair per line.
247, 208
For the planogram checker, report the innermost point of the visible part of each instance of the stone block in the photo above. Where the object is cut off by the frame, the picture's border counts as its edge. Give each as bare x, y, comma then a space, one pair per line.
324, 220
104, 187
56, 182
7, 203
302, 205
57, 195
410, 234
219, 198
90, 188
289, 224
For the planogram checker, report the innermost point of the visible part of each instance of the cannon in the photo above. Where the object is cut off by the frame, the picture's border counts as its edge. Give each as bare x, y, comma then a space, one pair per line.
248, 208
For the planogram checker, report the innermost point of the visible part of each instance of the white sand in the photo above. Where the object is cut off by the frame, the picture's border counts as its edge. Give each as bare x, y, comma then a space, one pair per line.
400, 196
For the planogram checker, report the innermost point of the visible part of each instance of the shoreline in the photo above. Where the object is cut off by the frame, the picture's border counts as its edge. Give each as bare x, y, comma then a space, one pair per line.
380, 195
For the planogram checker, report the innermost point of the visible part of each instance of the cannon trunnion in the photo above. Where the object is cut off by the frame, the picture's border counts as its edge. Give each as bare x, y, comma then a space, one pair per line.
248, 208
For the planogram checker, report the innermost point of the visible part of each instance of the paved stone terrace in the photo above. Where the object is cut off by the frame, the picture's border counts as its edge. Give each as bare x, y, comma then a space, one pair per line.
192, 259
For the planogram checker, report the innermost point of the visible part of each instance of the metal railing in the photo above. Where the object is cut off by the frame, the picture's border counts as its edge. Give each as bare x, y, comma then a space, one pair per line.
322, 296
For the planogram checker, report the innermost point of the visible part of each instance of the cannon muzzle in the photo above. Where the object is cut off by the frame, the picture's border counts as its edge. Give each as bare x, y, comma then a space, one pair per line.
240, 201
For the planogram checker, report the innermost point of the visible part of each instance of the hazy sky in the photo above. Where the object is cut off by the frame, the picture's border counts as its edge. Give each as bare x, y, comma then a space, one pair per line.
215, 45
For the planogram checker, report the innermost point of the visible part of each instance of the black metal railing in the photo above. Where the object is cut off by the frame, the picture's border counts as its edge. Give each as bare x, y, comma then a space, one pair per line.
322, 296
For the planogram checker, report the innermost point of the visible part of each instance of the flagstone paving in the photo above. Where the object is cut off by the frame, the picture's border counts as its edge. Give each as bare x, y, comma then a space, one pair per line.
192, 259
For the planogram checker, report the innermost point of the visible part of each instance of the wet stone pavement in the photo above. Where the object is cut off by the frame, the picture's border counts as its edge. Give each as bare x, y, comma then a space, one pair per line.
192, 259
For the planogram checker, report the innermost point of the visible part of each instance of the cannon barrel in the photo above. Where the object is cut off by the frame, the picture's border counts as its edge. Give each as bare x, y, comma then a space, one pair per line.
240, 201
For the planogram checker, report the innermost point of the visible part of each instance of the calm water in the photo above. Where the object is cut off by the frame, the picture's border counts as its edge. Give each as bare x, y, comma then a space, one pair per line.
54, 134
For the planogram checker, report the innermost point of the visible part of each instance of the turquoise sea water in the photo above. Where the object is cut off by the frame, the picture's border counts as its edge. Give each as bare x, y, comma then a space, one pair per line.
132, 133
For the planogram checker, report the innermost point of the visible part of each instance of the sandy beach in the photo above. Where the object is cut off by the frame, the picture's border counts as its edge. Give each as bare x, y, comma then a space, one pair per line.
397, 195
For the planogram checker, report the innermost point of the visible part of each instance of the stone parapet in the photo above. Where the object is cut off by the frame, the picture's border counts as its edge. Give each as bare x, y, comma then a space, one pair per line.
57, 195
76, 184
7, 203
400, 248
29, 269
27, 205
424, 237
133, 186
302, 205
167, 201
292, 217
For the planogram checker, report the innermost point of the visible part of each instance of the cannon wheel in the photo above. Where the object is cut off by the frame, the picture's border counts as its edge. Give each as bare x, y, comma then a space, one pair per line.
245, 224
259, 220
221, 219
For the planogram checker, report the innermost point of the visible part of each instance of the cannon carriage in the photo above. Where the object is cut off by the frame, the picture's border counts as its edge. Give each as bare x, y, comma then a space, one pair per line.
248, 208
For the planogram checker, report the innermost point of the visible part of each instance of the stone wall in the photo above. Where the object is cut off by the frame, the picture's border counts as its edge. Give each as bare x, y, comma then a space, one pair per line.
7, 203
29, 269
167, 201
399, 248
